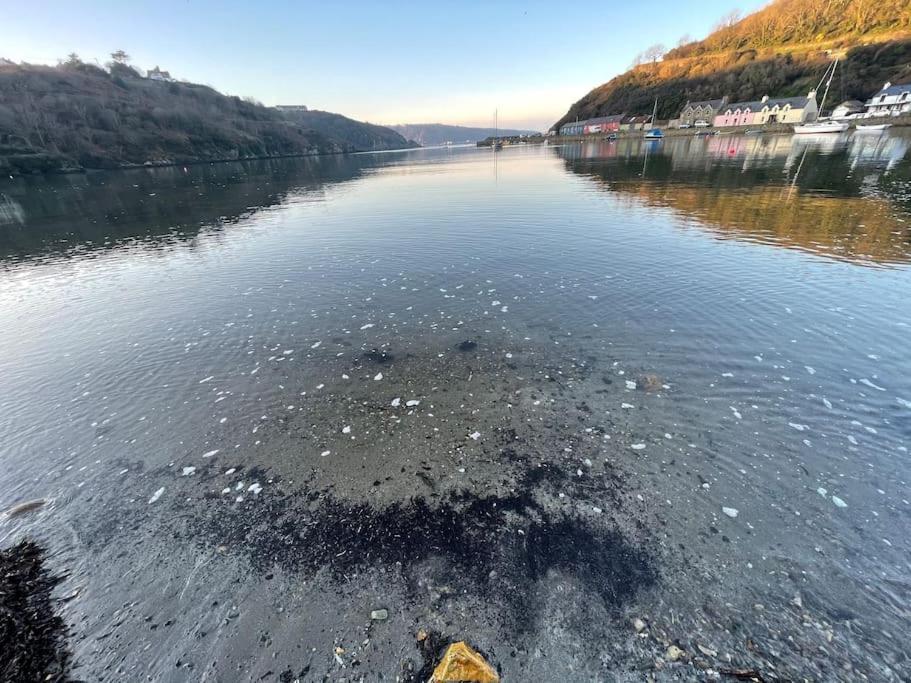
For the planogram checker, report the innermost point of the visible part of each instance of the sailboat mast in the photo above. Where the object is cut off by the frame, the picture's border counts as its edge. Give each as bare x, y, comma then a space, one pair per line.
828, 83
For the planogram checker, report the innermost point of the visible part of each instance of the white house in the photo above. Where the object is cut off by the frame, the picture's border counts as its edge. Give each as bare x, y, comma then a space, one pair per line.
157, 74
892, 100
849, 109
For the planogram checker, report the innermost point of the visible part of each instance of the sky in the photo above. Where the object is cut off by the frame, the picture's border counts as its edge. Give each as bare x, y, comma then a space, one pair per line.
384, 62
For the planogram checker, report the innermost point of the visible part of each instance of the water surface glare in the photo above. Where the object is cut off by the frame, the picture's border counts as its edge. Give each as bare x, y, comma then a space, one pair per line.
522, 398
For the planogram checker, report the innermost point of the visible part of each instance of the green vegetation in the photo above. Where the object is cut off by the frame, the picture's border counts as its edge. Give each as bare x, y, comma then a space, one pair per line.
781, 50
77, 115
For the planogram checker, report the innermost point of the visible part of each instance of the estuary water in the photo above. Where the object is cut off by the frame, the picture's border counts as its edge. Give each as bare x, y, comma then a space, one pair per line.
608, 411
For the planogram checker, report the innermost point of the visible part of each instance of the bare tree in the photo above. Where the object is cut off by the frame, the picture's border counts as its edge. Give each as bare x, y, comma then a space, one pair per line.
120, 57
729, 19
654, 52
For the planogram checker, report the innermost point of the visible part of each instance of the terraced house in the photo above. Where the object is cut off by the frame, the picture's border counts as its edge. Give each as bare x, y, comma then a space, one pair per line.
768, 110
892, 100
700, 111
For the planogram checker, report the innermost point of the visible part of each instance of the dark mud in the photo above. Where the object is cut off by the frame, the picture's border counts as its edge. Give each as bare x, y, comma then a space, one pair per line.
32, 636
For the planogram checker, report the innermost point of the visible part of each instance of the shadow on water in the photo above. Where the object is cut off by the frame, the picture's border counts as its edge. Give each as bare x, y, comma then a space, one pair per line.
767, 189
157, 207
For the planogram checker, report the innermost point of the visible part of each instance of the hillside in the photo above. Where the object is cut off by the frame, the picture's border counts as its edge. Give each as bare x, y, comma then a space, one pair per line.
782, 50
428, 134
77, 115
362, 136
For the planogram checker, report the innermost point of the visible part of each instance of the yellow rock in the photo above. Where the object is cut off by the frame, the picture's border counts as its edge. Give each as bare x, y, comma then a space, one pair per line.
461, 664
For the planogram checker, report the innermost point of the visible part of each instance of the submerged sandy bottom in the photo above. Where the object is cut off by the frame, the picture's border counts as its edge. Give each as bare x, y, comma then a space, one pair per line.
481, 486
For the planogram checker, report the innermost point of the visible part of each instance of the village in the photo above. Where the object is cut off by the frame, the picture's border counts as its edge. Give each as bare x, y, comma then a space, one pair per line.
891, 102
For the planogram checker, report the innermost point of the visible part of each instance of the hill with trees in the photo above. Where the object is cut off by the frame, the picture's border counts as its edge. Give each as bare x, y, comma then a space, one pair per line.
781, 50
439, 133
78, 116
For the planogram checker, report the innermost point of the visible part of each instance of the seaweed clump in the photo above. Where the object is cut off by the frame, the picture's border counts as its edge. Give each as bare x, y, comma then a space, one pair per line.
32, 635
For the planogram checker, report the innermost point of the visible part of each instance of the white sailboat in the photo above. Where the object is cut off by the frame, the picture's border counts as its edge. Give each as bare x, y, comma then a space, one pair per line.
823, 126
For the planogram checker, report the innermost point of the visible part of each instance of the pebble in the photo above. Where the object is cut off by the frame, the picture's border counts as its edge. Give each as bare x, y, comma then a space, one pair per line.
639, 625
730, 512
673, 653
379, 615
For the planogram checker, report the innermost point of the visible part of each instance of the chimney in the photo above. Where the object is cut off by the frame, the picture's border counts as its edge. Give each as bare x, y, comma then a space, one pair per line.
765, 98
887, 85
724, 100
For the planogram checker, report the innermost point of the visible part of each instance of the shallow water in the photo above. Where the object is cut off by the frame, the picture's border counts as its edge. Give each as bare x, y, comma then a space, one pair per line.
686, 398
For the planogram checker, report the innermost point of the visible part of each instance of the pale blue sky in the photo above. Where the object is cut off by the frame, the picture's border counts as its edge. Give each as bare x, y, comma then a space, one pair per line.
386, 62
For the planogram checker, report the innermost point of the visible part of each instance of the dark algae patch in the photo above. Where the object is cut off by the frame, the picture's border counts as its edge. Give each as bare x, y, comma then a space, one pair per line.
32, 636
495, 547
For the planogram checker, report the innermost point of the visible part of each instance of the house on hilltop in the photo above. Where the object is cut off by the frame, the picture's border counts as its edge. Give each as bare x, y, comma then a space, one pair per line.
892, 100
157, 74
768, 110
700, 111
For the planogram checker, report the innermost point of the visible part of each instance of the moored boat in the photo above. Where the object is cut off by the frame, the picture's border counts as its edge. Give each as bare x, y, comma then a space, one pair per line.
828, 126
872, 128
821, 127
654, 133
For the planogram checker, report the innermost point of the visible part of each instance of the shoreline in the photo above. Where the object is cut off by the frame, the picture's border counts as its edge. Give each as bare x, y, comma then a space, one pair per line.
11, 173
767, 129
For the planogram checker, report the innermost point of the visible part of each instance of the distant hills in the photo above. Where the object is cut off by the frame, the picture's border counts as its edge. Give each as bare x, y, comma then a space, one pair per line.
80, 116
781, 50
429, 134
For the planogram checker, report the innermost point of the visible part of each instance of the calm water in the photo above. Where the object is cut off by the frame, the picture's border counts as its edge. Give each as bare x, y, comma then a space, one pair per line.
702, 343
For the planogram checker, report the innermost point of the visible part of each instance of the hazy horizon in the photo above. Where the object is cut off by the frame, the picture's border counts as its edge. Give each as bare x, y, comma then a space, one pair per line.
398, 64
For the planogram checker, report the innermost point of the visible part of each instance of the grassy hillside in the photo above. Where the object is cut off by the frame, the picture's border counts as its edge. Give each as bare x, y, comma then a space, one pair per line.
783, 50
77, 115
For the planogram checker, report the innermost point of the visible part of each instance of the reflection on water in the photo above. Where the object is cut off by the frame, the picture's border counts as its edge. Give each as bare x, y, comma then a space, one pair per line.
522, 397
155, 207
840, 196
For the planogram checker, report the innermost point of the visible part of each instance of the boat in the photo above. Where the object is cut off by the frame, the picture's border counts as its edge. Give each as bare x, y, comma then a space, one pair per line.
828, 126
654, 133
872, 128
497, 143
611, 137
821, 127
752, 131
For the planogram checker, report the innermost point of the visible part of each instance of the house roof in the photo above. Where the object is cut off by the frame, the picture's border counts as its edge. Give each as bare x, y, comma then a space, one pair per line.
714, 104
894, 89
614, 118
852, 104
795, 102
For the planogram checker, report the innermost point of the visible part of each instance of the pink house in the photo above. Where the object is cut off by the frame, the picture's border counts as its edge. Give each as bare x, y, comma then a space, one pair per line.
735, 115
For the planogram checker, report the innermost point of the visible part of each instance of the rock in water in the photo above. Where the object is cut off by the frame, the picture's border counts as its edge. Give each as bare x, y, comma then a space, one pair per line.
461, 664
27, 506
673, 653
